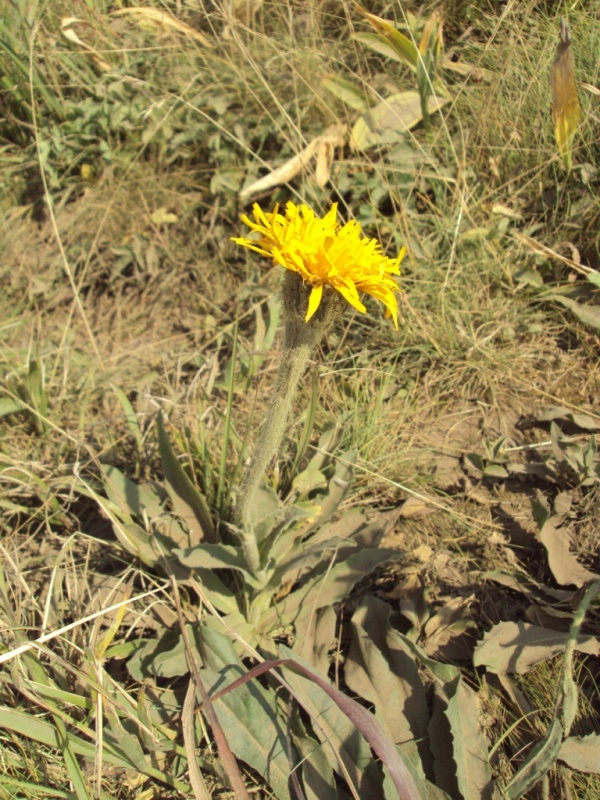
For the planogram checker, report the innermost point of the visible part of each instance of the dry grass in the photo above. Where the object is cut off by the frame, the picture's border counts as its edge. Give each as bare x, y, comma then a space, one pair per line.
98, 296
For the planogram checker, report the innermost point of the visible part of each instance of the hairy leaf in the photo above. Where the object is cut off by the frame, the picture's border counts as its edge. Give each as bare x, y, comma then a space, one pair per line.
216, 556
325, 589
188, 502
248, 714
541, 758
334, 729
470, 750
317, 773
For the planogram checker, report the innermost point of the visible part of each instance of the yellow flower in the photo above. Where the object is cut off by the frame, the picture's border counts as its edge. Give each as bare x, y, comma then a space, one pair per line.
324, 253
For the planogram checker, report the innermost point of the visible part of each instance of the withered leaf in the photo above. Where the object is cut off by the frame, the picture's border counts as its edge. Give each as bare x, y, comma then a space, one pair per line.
519, 646
564, 565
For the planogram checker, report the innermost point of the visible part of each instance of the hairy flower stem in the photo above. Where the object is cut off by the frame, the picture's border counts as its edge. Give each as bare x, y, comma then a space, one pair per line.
301, 338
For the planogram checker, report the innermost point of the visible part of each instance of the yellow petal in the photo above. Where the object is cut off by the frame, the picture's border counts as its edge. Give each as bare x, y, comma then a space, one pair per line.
348, 291
314, 301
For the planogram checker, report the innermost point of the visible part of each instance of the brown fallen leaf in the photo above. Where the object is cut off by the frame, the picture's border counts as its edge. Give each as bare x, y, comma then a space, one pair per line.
582, 753
519, 646
562, 562
418, 507
542, 249
423, 553
160, 21
447, 634
322, 147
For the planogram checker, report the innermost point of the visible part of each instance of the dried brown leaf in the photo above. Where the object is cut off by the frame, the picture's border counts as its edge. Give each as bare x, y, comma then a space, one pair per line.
418, 507
582, 753
446, 633
380, 666
322, 147
562, 562
519, 646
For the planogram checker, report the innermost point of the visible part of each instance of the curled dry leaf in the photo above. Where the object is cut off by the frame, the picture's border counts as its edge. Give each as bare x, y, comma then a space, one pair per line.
68, 28
322, 147
548, 252
161, 21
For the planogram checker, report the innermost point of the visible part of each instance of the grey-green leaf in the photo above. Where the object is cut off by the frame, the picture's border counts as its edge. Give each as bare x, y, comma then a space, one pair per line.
248, 714
188, 502
470, 750
541, 758
216, 556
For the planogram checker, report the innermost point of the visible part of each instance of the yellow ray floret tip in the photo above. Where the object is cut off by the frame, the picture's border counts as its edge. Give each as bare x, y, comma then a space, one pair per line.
325, 253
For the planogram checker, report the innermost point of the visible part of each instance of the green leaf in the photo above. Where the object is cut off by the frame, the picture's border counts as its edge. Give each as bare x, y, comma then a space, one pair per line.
380, 666
221, 596
9, 406
347, 92
541, 759
130, 497
133, 538
45, 733
529, 276
495, 471
73, 769
130, 415
248, 714
366, 724
307, 556
264, 511
308, 480
317, 774
216, 556
337, 490
593, 276
325, 589
68, 698
390, 42
163, 657
188, 502
336, 732
390, 119
588, 314
470, 750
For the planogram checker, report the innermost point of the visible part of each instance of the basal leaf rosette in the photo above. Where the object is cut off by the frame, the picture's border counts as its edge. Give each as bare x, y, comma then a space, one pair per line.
325, 253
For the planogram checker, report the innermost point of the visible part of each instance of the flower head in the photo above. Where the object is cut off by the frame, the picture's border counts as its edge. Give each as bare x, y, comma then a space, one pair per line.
324, 253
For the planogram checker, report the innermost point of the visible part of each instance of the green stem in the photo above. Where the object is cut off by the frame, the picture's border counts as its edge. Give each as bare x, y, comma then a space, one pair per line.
301, 338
